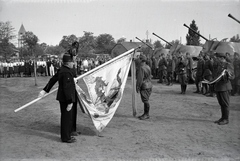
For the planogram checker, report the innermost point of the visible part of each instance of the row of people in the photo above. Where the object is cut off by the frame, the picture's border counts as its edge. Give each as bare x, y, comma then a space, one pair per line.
45, 68
164, 69
206, 70
26, 68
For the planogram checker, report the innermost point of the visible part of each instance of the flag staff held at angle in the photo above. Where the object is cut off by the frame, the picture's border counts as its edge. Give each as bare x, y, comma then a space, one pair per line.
162, 39
81, 76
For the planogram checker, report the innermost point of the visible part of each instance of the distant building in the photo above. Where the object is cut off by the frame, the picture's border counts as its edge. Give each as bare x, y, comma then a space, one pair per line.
159, 51
120, 48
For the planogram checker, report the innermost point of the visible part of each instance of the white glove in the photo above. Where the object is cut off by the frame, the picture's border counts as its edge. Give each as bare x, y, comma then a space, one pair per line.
75, 80
69, 107
42, 93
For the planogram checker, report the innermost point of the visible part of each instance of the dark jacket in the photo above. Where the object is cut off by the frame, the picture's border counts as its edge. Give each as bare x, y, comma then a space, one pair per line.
170, 65
66, 89
162, 65
224, 83
54, 79
181, 67
208, 68
144, 78
200, 68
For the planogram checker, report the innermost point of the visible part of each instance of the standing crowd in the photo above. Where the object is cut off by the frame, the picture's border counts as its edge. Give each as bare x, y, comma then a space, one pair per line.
216, 75
25, 68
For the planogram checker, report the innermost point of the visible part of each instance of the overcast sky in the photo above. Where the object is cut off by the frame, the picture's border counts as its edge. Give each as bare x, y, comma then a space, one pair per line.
50, 20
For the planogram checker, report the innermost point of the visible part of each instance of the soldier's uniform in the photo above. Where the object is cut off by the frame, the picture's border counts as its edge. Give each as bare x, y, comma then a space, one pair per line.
144, 85
199, 73
222, 88
170, 70
162, 68
189, 67
181, 71
236, 80
208, 69
154, 67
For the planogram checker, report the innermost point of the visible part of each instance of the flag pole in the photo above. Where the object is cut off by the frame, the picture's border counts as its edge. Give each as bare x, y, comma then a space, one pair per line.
81, 76
107, 63
133, 75
33, 101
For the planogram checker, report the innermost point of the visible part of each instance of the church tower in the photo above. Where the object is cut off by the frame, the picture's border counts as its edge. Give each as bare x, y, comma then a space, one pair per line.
21, 32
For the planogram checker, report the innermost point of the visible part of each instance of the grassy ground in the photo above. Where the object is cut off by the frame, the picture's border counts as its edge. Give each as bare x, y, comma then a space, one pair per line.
180, 127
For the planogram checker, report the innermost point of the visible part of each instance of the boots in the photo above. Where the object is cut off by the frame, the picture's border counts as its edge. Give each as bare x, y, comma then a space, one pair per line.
184, 89
181, 89
211, 91
146, 112
197, 91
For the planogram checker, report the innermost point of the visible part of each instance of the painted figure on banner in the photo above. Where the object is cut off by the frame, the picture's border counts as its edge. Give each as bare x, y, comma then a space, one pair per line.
105, 88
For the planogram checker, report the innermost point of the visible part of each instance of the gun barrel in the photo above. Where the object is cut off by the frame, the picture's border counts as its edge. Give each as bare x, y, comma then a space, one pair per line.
229, 15
195, 32
144, 43
162, 39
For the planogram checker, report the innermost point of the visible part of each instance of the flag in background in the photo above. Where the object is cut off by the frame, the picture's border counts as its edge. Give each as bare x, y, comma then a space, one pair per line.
105, 88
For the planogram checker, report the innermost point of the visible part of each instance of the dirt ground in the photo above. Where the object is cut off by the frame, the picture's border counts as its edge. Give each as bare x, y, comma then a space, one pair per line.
180, 128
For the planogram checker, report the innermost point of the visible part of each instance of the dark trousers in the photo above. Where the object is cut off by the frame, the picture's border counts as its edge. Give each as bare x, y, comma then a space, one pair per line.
169, 77
223, 100
197, 81
145, 94
66, 122
162, 75
235, 86
74, 117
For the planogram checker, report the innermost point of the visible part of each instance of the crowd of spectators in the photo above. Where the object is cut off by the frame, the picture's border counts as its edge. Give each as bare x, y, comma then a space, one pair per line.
25, 68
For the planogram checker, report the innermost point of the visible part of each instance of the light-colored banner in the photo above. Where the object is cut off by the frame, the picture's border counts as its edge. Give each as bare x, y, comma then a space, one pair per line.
105, 88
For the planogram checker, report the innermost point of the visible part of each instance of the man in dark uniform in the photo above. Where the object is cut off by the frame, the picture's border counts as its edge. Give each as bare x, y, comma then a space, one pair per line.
162, 68
154, 67
170, 69
223, 86
235, 81
51, 83
207, 75
144, 85
66, 96
199, 73
181, 71
189, 67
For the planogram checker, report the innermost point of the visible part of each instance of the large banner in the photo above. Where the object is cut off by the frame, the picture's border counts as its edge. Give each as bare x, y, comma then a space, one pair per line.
105, 89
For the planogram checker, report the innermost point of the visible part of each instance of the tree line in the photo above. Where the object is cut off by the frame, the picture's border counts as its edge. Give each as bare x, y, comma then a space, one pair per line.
89, 44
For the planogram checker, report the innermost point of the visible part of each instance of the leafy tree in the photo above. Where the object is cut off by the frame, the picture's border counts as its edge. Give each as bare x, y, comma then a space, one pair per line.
6, 35
105, 43
192, 38
173, 42
39, 50
157, 44
235, 38
67, 41
30, 40
87, 43
54, 50
122, 39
